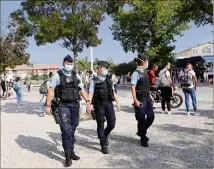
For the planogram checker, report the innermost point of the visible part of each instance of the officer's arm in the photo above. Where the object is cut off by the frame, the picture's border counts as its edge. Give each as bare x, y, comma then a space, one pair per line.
116, 98
134, 79
84, 94
50, 95
91, 90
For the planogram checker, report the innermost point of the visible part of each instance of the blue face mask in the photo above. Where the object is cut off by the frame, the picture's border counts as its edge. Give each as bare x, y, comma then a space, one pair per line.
68, 68
104, 73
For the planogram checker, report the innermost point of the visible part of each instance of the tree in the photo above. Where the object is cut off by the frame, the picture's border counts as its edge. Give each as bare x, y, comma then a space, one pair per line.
83, 64
124, 68
74, 23
198, 11
12, 52
149, 27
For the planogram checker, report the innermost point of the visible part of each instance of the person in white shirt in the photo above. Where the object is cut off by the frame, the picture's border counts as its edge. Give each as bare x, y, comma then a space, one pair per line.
188, 84
166, 85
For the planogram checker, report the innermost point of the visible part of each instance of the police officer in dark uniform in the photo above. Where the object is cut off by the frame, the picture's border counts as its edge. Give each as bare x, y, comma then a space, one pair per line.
142, 99
67, 86
102, 95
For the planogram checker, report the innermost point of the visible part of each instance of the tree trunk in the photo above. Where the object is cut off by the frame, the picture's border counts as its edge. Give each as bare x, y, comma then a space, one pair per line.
75, 60
5, 83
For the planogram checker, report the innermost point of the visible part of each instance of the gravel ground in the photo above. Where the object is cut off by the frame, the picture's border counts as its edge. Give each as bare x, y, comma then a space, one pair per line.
176, 141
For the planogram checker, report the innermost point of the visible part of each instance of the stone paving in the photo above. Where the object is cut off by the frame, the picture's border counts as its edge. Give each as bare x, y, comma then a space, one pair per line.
176, 140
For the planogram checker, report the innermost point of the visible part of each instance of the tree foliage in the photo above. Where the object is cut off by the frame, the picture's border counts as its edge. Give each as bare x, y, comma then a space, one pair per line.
124, 68
149, 27
13, 51
74, 23
198, 11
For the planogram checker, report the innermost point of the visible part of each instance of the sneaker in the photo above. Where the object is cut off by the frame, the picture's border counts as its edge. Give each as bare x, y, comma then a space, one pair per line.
42, 114
195, 114
163, 112
144, 143
188, 113
169, 112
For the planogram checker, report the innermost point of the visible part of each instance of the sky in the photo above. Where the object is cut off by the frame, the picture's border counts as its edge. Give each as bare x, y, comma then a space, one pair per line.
54, 53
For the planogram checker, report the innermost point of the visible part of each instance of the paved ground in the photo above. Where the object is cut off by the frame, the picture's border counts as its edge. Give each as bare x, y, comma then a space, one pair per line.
176, 141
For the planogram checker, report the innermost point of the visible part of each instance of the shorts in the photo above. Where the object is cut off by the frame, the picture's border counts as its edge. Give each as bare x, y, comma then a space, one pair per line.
210, 77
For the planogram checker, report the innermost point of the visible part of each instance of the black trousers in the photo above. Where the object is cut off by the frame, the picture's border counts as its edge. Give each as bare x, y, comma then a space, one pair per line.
145, 117
105, 110
166, 93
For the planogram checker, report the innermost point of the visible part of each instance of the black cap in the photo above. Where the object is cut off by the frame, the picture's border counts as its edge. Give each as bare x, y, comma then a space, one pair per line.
142, 56
103, 64
68, 58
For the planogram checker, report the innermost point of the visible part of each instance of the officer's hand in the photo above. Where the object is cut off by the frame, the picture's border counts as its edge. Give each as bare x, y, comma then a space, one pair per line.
152, 100
88, 107
48, 111
137, 103
118, 107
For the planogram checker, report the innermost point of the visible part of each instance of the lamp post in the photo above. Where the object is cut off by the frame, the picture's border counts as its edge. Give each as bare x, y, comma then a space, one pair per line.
92, 59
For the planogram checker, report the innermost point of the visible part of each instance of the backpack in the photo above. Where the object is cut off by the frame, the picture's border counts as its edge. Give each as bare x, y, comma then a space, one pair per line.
43, 88
185, 80
164, 82
16, 87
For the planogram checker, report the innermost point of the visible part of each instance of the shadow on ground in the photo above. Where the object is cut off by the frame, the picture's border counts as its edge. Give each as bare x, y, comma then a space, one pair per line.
40, 145
202, 112
26, 107
126, 151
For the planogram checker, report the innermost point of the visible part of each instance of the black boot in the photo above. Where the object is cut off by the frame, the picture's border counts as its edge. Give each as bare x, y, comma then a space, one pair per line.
145, 137
104, 148
106, 140
73, 155
68, 161
144, 142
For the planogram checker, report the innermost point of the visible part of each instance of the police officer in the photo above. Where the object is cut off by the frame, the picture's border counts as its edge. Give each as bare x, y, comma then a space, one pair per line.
102, 95
142, 99
66, 85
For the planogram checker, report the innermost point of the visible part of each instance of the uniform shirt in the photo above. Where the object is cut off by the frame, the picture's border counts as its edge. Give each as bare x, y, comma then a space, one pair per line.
135, 77
55, 79
92, 84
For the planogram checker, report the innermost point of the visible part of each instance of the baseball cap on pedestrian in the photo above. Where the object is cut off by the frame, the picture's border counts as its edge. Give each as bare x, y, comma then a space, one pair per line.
68, 58
103, 64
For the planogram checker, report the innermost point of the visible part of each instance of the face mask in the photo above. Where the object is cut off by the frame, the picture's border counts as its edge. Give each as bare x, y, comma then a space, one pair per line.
147, 65
105, 72
68, 68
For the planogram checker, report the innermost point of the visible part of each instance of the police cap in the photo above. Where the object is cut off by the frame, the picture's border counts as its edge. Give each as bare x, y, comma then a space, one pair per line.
68, 58
103, 64
142, 56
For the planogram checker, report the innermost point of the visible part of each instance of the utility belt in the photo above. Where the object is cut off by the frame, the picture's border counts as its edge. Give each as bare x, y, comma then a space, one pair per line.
59, 116
142, 93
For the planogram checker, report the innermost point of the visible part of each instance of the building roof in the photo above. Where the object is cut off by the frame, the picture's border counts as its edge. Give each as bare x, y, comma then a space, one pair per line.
194, 47
36, 66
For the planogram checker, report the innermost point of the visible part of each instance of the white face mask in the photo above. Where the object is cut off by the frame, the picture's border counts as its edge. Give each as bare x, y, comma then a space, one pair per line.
68, 68
104, 73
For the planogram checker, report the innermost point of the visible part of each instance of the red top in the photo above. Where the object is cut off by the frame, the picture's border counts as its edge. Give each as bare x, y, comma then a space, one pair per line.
152, 77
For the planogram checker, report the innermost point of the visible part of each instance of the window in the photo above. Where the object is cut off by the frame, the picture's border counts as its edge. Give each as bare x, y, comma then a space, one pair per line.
195, 51
206, 50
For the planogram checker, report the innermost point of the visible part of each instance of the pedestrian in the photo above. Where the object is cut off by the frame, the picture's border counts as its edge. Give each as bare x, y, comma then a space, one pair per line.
188, 84
47, 83
102, 95
115, 81
166, 85
151, 75
143, 101
210, 75
18, 89
3, 87
28, 84
66, 85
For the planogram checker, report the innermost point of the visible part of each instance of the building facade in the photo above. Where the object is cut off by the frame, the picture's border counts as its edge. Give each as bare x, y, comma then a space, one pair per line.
199, 50
24, 71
